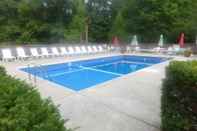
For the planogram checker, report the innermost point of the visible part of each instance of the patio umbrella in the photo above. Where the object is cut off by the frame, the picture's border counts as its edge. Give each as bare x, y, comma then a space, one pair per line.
115, 41
160, 44
134, 41
182, 40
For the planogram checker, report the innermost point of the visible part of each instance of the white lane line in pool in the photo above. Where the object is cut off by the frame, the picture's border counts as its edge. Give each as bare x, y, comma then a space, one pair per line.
136, 62
121, 62
88, 68
63, 73
106, 64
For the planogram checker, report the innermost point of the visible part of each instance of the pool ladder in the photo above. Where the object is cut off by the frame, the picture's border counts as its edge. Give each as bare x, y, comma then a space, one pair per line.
39, 70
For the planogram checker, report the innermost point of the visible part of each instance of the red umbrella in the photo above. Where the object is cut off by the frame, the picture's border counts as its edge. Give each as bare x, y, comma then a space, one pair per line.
115, 41
182, 40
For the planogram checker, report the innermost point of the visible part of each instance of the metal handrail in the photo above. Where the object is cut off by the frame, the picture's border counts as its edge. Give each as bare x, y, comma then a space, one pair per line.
39, 69
44, 71
29, 74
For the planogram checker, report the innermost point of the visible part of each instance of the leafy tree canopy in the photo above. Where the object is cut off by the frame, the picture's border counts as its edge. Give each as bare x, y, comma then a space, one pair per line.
64, 20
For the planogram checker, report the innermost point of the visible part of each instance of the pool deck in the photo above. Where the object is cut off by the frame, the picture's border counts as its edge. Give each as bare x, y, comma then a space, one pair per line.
128, 103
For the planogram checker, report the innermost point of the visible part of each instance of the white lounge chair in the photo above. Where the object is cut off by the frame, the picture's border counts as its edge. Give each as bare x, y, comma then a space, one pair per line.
7, 55
137, 48
55, 51
170, 51
156, 49
45, 53
110, 49
100, 49
63, 51
84, 50
95, 49
176, 48
90, 51
34, 53
21, 53
78, 50
71, 51
128, 49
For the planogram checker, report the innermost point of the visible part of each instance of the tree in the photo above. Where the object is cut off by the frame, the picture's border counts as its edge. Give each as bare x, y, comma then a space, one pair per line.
76, 29
37, 20
160, 17
57, 20
119, 27
100, 15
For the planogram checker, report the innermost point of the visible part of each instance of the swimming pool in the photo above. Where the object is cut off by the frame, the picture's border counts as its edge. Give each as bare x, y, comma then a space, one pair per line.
83, 74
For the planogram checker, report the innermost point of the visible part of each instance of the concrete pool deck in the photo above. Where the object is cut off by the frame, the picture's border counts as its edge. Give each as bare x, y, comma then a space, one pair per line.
128, 103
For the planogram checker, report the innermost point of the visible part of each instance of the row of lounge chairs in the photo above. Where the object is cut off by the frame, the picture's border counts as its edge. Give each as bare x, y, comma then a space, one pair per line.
171, 50
45, 52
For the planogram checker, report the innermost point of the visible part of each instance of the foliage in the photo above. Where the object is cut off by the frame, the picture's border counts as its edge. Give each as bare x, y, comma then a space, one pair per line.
119, 28
179, 99
26, 21
22, 109
30, 21
188, 53
161, 17
2, 71
75, 30
100, 19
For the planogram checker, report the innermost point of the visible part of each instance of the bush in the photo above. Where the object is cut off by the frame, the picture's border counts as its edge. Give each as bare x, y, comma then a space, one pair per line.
188, 53
22, 109
179, 98
2, 71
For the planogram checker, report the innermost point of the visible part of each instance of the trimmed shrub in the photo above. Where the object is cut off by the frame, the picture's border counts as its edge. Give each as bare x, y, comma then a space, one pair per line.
2, 71
22, 109
179, 98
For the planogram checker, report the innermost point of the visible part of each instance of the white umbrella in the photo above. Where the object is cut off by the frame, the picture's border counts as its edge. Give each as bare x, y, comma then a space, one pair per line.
160, 44
134, 41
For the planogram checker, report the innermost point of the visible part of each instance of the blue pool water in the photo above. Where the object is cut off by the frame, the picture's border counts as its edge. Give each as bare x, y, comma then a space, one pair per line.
79, 75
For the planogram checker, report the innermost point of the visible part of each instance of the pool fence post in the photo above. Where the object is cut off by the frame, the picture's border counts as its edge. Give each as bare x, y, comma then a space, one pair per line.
35, 79
29, 74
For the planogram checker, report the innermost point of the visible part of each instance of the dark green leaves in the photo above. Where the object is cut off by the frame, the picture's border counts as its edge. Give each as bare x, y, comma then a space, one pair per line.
179, 98
22, 109
26, 21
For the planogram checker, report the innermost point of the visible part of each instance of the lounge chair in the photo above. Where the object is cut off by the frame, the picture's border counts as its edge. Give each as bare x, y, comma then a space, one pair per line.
71, 51
63, 51
21, 53
137, 48
176, 48
110, 49
55, 51
45, 53
84, 50
100, 49
78, 50
145, 50
7, 55
170, 51
128, 49
90, 51
95, 49
34, 53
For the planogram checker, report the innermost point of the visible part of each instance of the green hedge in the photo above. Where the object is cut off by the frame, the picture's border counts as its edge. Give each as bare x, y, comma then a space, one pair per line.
22, 109
179, 98
2, 71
